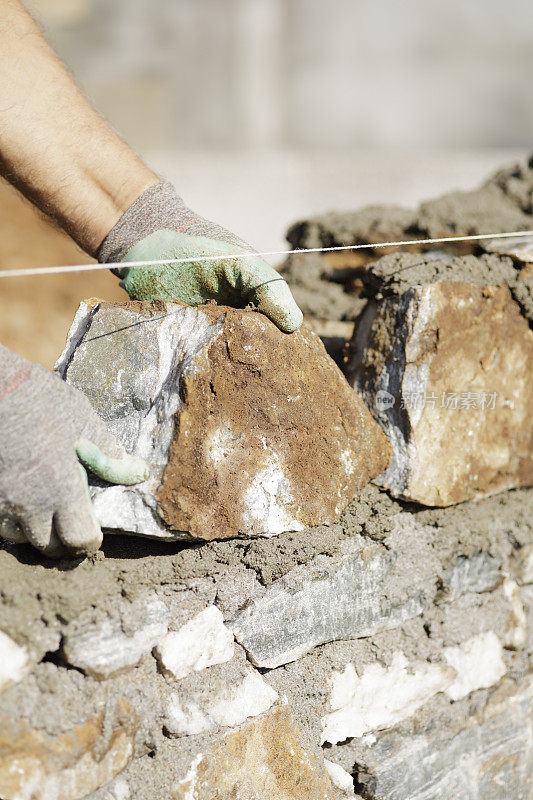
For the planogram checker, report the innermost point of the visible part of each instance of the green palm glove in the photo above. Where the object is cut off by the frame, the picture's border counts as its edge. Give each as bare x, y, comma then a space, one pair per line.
159, 225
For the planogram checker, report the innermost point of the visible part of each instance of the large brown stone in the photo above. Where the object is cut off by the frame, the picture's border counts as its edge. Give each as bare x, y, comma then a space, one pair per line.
248, 430
447, 369
264, 761
36, 766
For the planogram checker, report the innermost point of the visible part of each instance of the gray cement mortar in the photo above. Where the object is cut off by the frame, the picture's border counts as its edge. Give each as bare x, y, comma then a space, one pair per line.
47, 597
396, 273
317, 292
50, 595
502, 204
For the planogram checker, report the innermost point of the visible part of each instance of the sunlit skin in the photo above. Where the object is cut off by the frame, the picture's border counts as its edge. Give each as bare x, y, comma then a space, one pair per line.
53, 145
67, 160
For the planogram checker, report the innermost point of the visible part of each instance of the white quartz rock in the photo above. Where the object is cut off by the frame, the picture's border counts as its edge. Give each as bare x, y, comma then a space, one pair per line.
250, 698
14, 661
227, 705
185, 718
200, 643
381, 696
340, 778
478, 663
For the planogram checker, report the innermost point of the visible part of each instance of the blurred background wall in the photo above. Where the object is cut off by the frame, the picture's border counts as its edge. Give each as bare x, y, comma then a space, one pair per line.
303, 73
266, 111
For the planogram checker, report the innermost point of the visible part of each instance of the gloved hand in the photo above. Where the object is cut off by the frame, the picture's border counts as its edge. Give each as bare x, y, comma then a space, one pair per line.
159, 225
45, 427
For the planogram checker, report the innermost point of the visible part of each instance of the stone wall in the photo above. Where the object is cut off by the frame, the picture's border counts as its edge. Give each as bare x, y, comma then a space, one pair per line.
385, 655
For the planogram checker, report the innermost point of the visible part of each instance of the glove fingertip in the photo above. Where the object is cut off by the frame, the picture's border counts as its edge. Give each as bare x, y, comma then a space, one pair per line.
130, 470
126, 469
275, 300
292, 321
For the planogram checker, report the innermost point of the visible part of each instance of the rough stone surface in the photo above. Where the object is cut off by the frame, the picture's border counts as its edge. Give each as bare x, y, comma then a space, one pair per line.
226, 703
69, 766
380, 697
490, 756
446, 369
343, 597
264, 759
252, 403
101, 649
478, 664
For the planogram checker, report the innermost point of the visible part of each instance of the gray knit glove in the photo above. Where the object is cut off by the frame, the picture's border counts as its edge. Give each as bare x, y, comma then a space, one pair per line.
45, 427
158, 226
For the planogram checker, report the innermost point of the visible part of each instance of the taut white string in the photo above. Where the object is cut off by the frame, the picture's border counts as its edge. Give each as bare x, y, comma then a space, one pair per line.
19, 273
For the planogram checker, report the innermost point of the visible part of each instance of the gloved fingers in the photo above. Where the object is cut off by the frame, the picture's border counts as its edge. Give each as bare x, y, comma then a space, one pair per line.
274, 299
39, 532
75, 522
56, 548
100, 452
11, 531
107, 460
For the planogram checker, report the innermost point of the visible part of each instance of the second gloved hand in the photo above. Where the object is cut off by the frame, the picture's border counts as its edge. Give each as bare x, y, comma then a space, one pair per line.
46, 428
159, 225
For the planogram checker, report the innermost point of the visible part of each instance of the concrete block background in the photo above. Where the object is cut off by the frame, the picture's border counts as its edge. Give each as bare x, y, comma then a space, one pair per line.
299, 73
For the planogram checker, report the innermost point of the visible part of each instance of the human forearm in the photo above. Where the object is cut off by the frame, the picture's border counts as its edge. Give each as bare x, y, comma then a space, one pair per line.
53, 145
57, 150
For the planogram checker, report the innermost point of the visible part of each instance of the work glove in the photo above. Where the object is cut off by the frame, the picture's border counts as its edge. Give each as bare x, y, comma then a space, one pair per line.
45, 427
159, 225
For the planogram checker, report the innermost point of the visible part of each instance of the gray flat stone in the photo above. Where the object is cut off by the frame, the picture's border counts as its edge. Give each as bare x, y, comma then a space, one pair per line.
104, 648
488, 759
323, 602
479, 573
